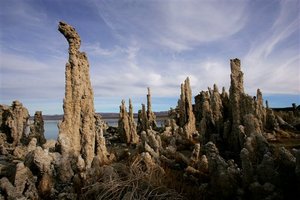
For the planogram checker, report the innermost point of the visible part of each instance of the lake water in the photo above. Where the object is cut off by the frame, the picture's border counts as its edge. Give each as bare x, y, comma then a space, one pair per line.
51, 129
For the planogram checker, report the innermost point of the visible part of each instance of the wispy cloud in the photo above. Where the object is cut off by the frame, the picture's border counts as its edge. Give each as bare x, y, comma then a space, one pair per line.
190, 23
132, 45
273, 60
19, 63
176, 25
26, 77
95, 49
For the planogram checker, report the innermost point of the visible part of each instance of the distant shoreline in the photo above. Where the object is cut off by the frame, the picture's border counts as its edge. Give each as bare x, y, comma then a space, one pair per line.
160, 115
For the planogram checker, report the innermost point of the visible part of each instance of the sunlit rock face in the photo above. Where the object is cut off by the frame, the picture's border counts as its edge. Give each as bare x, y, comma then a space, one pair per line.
14, 121
77, 131
37, 129
146, 118
236, 92
126, 125
186, 116
244, 109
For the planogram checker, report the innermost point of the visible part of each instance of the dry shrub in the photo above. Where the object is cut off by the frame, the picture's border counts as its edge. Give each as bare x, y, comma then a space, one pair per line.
128, 182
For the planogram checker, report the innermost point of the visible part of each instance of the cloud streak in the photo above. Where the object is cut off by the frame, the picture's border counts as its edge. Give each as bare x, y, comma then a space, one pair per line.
274, 60
176, 26
132, 45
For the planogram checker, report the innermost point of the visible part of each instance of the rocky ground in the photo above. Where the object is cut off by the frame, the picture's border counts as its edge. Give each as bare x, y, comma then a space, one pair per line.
225, 146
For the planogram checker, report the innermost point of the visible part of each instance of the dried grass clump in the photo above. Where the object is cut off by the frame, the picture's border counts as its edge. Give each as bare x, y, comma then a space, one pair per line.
131, 182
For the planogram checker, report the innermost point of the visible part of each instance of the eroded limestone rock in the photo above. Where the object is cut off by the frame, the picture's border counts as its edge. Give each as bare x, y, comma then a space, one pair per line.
217, 108
14, 120
101, 151
204, 114
23, 186
195, 155
147, 118
151, 143
209, 111
224, 175
260, 111
150, 114
77, 131
236, 92
266, 170
37, 129
247, 168
126, 125
242, 106
42, 164
78, 125
186, 116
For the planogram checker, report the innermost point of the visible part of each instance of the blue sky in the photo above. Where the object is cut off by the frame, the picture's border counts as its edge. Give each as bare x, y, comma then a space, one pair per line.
132, 45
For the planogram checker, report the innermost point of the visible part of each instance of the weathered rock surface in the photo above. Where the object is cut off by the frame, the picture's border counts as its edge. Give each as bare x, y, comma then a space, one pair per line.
146, 118
42, 164
23, 186
7, 169
236, 93
151, 143
228, 119
126, 125
151, 118
78, 125
247, 167
186, 118
242, 106
14, 121
77, 131
224, 175
37, 129
101, 151
195, 157
210, 110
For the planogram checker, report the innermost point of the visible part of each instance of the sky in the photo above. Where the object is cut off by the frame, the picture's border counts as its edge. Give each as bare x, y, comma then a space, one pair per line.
132, 45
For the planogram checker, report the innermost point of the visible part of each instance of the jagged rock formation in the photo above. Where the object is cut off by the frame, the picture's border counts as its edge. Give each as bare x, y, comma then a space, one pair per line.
142, 119
224, 118
260, 110
24, 184
238, 122
78, 125
217, 108
210, 109
186, 118
150, 114
100, 148
271, 121
224, 175
42, 163
146, 118
195, 157
37, 129
242, 105
77, 131
236, 94
14, 120
151, 143
126, 124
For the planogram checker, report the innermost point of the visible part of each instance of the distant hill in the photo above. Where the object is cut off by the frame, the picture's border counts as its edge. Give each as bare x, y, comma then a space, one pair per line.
160, 114
286, 109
